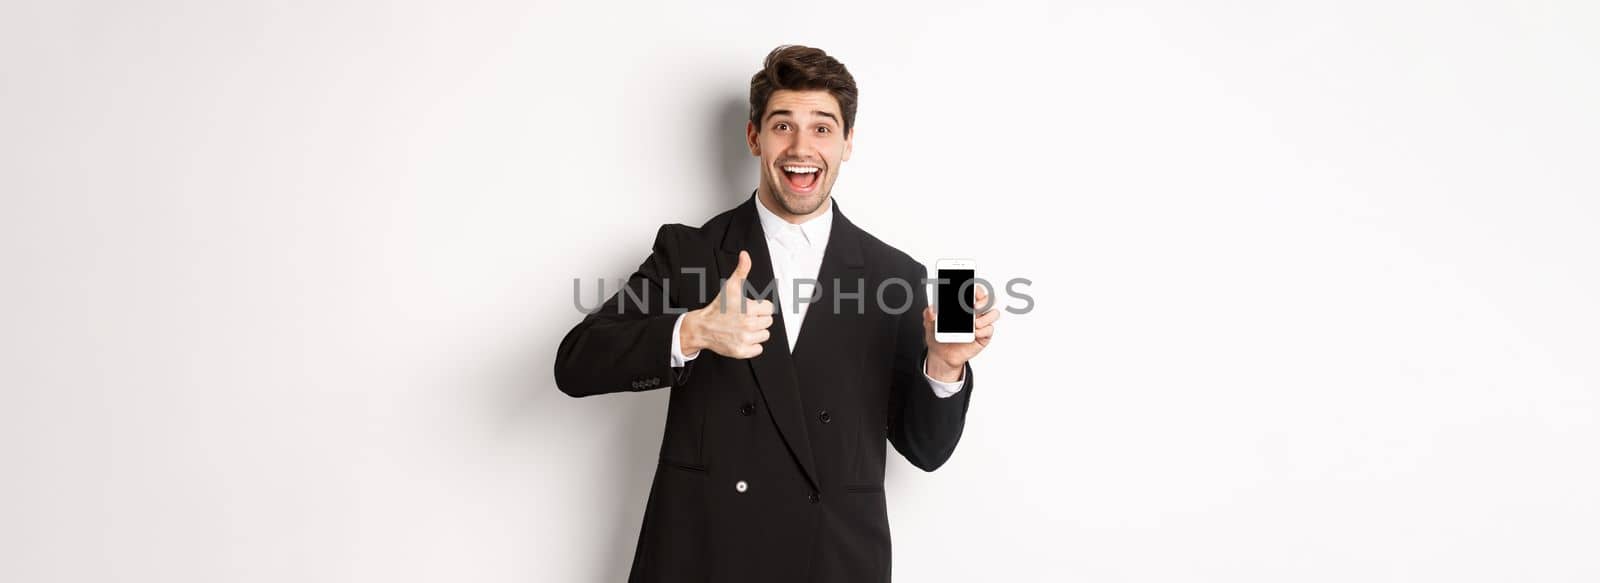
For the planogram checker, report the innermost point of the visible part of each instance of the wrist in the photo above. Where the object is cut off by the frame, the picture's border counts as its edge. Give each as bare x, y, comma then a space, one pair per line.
942, 371
689, 333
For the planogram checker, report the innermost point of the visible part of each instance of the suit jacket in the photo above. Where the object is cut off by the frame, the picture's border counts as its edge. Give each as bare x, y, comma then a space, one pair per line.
771, 468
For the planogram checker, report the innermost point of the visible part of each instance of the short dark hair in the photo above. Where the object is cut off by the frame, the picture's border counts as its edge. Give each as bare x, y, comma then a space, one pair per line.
800, 68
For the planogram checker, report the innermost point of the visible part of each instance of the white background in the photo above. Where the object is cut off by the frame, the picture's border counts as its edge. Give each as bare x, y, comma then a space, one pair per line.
1315, 285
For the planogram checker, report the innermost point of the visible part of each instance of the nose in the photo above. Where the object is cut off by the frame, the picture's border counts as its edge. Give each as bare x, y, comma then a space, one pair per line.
803, 146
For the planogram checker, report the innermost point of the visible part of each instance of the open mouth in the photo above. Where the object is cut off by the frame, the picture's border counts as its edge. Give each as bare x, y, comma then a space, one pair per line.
802, 179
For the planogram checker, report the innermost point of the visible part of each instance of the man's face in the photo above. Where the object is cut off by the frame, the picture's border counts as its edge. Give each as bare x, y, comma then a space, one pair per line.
800, 130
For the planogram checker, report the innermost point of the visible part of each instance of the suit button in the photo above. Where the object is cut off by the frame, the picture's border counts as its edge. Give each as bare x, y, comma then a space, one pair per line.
741, 486
747, 409
824, 416
815, 497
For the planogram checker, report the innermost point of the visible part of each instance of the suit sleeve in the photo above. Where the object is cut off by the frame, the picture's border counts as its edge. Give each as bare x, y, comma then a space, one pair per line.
626, 344
922, 426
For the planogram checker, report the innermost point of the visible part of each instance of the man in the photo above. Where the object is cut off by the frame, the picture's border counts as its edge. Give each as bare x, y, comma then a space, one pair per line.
772, 462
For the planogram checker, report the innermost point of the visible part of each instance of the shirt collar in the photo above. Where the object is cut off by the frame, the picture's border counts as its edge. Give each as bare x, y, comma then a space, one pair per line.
815, 229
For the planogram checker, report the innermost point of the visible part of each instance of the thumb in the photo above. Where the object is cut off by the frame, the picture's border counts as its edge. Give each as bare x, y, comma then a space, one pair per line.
740, 272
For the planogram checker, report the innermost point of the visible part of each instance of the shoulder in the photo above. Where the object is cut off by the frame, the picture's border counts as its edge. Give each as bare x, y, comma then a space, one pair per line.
894, 261
678, 235
692, 245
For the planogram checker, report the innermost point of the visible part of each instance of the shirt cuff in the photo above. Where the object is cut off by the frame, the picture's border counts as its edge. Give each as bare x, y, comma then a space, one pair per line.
942, 389
678, 358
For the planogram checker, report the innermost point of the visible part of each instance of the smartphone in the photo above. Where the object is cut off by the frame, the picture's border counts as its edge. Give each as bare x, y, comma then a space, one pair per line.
955, 304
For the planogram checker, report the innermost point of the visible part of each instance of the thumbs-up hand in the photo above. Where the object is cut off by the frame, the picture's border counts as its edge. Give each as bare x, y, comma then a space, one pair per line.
731, 325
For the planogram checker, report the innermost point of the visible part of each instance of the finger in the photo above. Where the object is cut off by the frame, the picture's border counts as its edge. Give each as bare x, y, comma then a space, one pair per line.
760, 322
760, 336
740, 273
982, 293
927, 314
734, 301
761, 308
755, 307
988, 318
983, 332
988, 301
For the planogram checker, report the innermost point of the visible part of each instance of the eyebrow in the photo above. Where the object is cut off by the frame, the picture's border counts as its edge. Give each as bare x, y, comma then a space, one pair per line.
777, 112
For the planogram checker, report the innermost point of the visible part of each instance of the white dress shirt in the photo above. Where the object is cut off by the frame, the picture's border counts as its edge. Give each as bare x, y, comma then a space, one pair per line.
796, 251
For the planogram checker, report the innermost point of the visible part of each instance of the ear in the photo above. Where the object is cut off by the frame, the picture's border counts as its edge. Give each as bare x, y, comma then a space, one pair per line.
849, 141
752, 138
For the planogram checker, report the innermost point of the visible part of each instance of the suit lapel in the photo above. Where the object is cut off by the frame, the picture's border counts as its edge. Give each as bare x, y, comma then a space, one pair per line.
842, 266
773, 368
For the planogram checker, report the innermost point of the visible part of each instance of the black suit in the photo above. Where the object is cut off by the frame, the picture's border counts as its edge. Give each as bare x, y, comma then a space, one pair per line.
804, 433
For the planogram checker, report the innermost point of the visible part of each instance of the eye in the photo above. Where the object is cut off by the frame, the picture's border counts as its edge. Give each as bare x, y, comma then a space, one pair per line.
781, 126
823, 129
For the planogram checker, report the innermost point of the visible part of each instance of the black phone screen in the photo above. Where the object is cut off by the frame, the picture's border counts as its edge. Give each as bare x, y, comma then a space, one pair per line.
956, 301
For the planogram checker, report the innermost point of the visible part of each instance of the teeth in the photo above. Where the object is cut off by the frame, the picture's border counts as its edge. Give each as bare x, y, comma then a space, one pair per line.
799, 169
